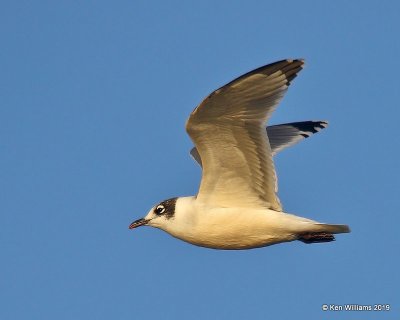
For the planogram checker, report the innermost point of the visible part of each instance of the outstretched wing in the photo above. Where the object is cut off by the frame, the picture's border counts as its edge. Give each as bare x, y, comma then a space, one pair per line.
285, 135
282, 136
228, 130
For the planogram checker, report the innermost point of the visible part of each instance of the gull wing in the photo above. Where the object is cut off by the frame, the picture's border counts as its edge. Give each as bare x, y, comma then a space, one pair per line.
282, 136
228, 130
285, 135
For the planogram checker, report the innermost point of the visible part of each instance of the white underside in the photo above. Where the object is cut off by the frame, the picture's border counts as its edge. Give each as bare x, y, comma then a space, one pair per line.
233, 228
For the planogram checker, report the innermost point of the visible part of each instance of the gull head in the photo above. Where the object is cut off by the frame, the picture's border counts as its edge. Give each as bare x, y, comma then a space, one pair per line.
159, 216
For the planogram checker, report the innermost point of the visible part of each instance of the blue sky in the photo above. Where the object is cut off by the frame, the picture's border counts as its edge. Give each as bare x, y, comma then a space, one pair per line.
94, 98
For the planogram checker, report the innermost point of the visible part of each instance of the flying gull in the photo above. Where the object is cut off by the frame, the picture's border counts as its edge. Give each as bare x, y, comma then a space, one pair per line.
237, 206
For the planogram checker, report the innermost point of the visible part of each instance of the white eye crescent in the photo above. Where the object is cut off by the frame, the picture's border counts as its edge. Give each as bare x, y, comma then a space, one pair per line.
160, 209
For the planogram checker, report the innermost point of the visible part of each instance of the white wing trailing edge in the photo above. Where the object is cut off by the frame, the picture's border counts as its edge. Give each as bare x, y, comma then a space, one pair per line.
228, 130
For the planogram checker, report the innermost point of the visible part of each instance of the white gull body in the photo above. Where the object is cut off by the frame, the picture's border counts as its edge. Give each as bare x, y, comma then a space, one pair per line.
237, 206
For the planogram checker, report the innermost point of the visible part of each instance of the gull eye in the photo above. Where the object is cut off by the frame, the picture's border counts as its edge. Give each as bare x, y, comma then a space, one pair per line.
160, 209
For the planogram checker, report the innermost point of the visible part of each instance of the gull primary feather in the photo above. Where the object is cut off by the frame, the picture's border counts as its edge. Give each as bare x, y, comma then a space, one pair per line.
237, 206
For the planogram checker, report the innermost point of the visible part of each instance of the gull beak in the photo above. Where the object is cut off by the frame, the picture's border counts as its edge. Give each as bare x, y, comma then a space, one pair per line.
138, 223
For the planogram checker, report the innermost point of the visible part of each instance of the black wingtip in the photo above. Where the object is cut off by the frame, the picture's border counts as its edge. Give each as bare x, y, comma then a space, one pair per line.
290, 67
309, 127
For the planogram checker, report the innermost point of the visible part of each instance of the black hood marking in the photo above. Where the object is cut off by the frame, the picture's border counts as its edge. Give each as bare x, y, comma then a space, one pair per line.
169, 206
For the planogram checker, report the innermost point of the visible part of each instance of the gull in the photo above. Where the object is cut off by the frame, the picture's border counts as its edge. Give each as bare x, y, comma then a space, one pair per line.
237, 206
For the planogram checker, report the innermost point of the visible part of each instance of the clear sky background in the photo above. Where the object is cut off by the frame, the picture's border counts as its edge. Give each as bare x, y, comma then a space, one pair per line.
94, 96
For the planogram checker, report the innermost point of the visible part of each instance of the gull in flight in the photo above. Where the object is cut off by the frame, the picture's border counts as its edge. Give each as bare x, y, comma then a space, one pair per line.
237, 206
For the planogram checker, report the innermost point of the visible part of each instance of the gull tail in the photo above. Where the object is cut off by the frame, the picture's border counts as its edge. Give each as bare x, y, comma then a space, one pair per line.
323, 233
